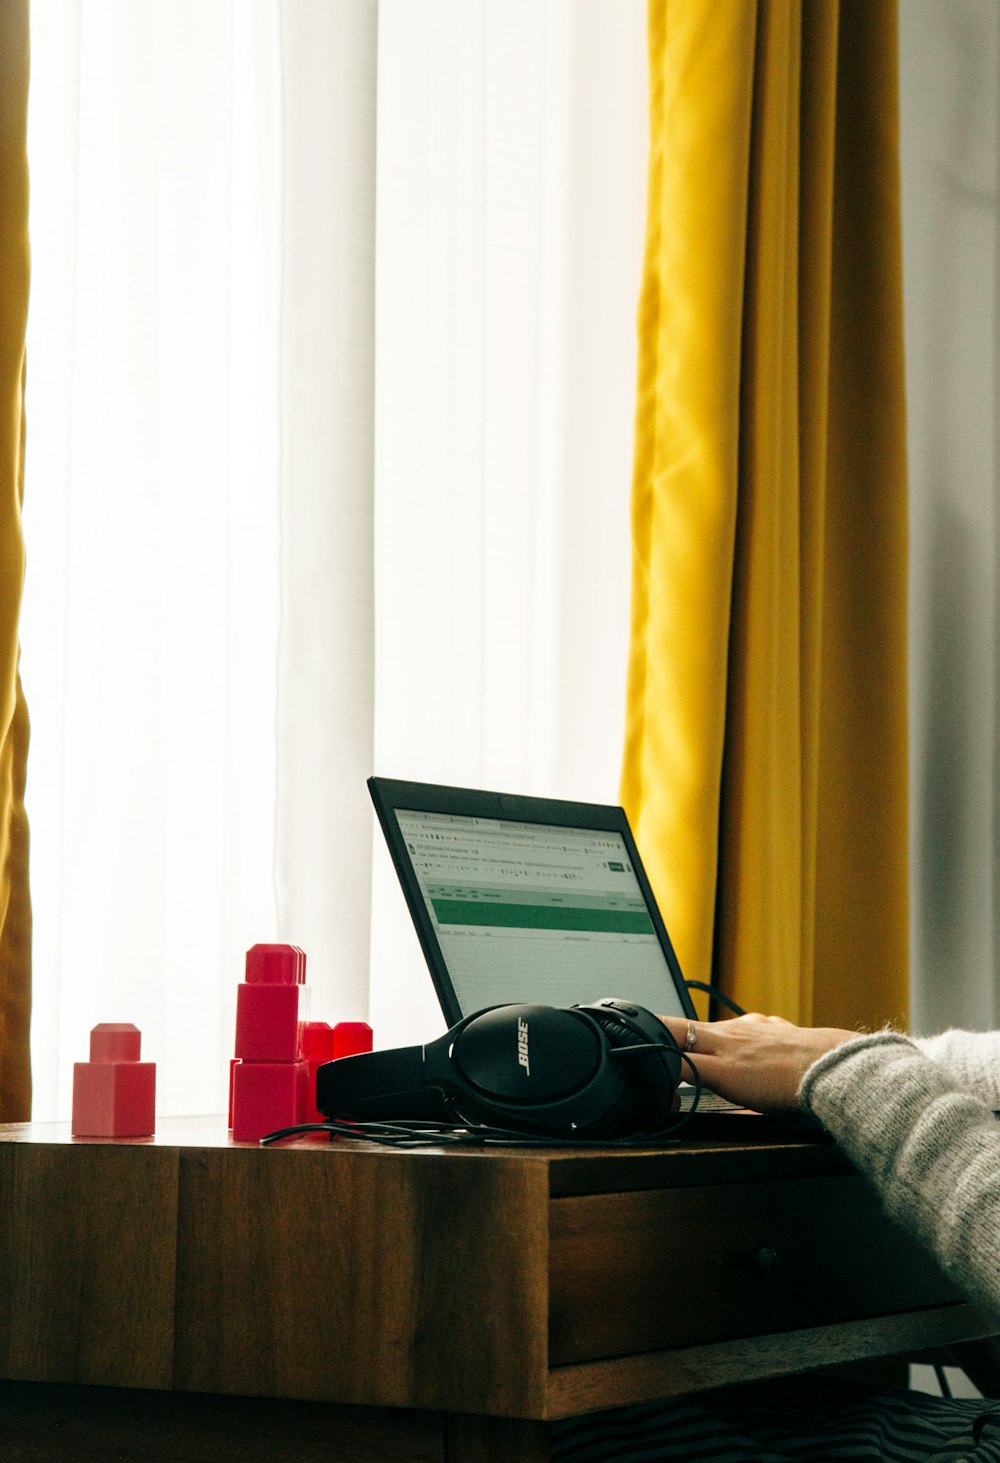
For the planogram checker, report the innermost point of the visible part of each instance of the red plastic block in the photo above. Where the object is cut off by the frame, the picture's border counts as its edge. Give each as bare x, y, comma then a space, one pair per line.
276, 965
115, 1041
323, 1045
266, 1096
269, 1022
351, 1037
114, 1095
317, 1041
317, 1045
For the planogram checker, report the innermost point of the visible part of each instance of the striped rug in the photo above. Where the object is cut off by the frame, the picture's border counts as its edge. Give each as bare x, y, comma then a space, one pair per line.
794, 1418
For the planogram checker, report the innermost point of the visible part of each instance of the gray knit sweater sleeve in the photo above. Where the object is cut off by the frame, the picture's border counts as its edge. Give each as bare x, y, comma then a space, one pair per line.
971, 1060
931, 1149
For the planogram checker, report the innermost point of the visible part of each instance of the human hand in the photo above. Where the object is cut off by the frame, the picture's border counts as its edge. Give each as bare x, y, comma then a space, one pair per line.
755, 1061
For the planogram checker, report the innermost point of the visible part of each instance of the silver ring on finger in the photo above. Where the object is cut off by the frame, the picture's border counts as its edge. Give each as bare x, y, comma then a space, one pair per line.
690, 1038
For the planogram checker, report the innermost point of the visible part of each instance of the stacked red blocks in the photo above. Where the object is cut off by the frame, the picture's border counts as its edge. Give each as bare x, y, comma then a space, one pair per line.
278, 1049
270, 1074
114, 1094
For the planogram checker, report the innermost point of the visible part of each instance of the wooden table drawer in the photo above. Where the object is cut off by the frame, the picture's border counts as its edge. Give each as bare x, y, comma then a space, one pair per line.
640, 1271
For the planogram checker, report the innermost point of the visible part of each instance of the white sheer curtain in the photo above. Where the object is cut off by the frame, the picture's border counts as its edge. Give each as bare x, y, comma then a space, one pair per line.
280, 481
198, 507
511, 161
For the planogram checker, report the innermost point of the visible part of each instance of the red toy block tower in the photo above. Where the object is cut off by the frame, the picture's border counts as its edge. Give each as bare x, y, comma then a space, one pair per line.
114, 1094
270, 1075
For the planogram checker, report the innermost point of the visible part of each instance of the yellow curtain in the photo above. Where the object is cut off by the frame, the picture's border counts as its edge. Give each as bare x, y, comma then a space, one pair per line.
765, 768
15, 905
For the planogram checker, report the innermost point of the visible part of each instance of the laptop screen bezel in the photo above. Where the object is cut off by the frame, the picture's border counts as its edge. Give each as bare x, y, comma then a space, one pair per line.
390, 795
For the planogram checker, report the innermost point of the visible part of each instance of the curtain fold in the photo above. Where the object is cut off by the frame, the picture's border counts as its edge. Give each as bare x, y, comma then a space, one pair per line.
765, 762
15, 905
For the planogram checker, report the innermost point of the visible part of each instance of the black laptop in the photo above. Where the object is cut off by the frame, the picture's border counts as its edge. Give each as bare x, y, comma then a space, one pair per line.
538, 900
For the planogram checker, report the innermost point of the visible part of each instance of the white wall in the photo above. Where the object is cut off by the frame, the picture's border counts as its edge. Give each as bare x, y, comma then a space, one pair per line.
950, 112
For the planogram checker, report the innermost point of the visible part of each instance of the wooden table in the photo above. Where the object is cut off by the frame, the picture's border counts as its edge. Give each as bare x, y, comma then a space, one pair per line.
188, 1297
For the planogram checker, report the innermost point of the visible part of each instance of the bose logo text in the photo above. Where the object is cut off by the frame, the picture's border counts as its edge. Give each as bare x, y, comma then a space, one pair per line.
522, 1045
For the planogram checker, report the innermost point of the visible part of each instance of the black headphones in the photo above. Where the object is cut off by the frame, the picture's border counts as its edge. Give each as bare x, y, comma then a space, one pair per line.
607, 1070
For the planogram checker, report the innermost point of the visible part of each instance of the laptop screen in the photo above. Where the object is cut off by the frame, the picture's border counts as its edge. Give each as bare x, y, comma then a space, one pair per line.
536, 912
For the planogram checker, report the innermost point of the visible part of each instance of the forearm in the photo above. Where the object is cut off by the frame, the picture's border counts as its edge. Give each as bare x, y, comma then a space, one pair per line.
930, 1149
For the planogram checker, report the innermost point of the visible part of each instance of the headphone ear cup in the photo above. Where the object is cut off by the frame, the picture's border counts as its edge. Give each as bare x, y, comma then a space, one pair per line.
623, 1118
529, 1068
617, 1033
646, 1106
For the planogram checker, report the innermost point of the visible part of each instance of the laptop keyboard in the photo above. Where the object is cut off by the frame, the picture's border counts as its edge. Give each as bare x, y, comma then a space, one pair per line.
708, 1102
